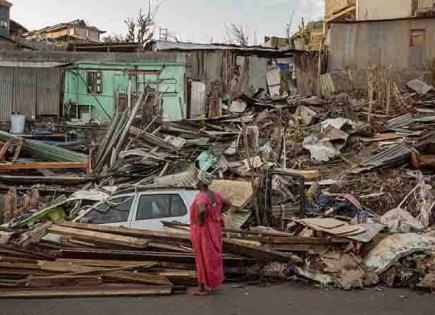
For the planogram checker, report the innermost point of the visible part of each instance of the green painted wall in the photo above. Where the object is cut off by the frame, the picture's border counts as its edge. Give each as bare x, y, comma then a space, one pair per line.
115, 78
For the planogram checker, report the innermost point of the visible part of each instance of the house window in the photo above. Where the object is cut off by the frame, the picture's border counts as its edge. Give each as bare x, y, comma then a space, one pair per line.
4, 23
417, 38
95, 82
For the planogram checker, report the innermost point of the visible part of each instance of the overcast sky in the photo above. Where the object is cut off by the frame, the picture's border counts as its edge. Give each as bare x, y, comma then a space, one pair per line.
190, 20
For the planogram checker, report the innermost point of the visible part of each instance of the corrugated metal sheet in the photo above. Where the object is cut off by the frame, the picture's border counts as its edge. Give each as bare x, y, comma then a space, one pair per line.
393, 155
6, 87
30, 91
24, 91
185, 46
48, 91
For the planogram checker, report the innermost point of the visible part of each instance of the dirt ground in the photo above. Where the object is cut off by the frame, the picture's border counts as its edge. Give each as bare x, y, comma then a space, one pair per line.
292, 299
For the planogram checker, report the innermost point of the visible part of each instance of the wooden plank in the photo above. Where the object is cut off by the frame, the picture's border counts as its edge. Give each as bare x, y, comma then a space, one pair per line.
259, 252
17, 259
65, 267
55, 180
128, 232
181, 277
106, 263
64, 281
24, 272
136, 277
86, 253
43, 165
100, 237
19, 265
106, 291
4, 150
297, 240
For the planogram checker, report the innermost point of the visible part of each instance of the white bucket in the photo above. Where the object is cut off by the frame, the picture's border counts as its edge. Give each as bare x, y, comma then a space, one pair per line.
17, 123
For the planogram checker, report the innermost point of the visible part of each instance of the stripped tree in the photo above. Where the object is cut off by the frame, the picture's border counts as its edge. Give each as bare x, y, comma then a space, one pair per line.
237, 34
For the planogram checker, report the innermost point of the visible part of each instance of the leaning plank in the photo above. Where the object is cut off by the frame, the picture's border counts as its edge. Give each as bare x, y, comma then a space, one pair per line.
99, 237
4, 150
44, 166
107, 291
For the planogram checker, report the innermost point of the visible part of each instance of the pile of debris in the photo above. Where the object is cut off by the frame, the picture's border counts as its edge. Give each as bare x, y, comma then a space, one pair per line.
338, 191
74, 259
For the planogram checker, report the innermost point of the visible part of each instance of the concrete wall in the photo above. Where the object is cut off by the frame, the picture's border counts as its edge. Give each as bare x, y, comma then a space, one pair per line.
383, 9
386, 44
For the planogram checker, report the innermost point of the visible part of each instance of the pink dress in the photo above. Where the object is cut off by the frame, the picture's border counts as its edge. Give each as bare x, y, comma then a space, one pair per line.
207, 240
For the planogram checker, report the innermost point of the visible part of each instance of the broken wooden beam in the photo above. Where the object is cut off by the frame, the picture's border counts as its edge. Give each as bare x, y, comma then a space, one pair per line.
99, 237
44, 165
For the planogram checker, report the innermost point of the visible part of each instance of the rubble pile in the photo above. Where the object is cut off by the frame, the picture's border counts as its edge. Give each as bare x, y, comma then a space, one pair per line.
335, 191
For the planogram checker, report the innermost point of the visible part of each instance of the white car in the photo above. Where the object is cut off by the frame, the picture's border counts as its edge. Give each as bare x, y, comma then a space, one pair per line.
142, 208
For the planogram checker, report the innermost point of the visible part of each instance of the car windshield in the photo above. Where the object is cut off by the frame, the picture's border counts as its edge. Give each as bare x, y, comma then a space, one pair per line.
115, 210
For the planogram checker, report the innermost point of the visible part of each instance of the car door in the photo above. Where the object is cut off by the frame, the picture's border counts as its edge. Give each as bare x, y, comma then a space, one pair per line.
116, 211
155, 207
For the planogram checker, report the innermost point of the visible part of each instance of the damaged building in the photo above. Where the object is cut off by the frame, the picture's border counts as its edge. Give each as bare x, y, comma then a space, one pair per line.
193, 80
357, 33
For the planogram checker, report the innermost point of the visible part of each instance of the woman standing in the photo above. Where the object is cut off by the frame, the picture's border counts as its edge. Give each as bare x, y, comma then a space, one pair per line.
206, 235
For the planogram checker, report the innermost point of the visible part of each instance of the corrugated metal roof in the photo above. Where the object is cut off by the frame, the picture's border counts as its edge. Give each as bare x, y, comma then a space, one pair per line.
159, 45
28, 64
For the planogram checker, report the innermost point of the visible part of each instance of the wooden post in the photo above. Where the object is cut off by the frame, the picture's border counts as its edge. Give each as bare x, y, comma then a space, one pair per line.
388, 103
371, 96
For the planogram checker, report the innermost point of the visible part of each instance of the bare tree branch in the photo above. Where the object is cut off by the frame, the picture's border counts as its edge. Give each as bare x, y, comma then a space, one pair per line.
131, 33
140, 29
238, 34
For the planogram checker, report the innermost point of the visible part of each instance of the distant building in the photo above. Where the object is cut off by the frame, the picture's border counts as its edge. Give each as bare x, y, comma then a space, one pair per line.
364, 10
392, 36
5, 7
340, 10
393, 9
71, 32
309, 37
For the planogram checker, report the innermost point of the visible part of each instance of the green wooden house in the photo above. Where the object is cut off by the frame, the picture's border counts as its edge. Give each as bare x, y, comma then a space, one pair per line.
97, 89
